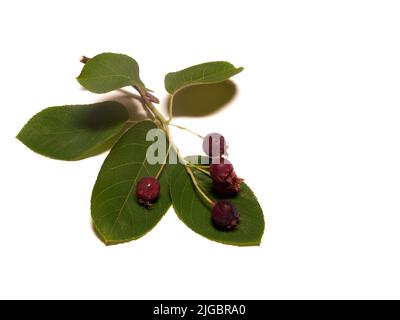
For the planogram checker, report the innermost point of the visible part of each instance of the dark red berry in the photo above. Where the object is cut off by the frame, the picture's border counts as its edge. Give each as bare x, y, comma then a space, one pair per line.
225, 181
147, 191
225, 215
221, 170
227, 189
214, 145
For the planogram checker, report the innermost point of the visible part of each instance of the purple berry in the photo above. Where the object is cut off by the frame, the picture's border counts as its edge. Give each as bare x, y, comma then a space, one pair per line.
214, 145
225, 181
221, 170
227, 189
147, 191
225, 215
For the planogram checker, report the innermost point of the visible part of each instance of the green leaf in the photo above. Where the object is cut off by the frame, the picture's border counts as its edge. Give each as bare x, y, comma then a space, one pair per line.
209, 72
115, 211
196, 213
110, 71
74, 132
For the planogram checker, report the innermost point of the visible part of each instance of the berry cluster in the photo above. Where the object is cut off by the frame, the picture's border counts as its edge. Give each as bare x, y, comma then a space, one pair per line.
225, 183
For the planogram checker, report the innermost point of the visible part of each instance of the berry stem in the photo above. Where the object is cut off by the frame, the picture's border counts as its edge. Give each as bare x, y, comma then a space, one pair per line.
186, 129
200, 169
164, 163
202, 193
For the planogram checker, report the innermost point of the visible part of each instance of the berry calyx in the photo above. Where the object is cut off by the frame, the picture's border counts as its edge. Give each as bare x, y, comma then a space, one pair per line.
224, 215
215, 145
225, 180
147, 191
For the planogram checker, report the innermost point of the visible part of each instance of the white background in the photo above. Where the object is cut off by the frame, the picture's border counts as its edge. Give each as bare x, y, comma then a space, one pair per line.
314, 129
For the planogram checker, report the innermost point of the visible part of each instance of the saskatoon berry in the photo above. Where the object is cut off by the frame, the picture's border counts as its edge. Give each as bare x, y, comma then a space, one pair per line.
227, 189
221, 170
224, 215
147, 190
225, 181
214, 145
